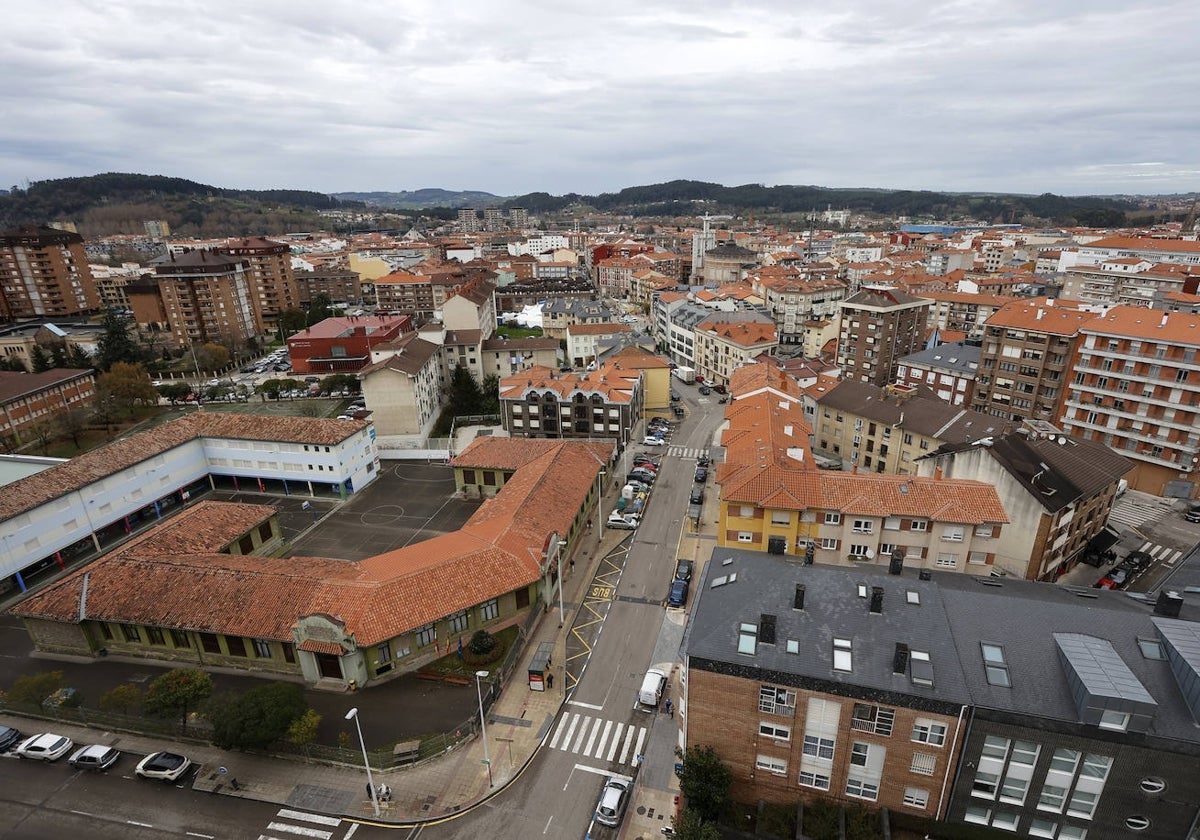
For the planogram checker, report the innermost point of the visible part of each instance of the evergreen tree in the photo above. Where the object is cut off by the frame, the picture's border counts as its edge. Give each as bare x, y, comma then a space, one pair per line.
77, 357
319, 309
465, 394
41, 359
115, 344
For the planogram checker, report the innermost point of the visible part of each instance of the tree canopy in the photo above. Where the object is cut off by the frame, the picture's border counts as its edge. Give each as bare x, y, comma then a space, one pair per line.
260, 717
178, 692
704, 781
115, 343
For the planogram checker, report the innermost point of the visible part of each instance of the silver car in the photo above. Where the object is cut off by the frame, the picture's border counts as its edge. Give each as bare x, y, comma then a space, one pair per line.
613, 800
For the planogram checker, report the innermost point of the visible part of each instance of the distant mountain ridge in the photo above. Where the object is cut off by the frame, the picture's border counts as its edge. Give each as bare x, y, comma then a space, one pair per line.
424, 199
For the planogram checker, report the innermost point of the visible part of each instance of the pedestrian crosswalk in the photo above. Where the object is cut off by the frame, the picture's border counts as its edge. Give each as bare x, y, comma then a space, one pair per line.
1162, 553
1136, 511
596, 737
685, 451
292, 824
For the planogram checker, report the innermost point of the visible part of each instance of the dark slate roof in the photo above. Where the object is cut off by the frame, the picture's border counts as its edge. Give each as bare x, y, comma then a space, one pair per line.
958, 357
766, 584
872, 296
1056, 470
920, 411
729, 251
957, 613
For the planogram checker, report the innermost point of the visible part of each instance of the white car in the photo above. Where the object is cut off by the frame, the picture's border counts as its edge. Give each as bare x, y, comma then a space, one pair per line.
95, 757
626, 522
163, 765
650, 440
45, 747
613, 800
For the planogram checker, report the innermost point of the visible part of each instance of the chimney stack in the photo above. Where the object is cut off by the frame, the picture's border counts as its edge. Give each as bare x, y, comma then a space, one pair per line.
1168, 604
896, 566
798, 600
877, 599
900, 659
925, 574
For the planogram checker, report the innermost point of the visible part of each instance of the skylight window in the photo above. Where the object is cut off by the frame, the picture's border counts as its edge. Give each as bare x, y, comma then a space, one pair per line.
995, 666
843, 659
862, 590
1151, 648
912, 596
920, 668
793, 646
747, 638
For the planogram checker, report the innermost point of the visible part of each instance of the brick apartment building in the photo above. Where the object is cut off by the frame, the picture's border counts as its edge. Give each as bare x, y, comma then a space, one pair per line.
1135, 387
879, 326
201, 297
271, 276
30, 398
44, 273
338, 286
343, 345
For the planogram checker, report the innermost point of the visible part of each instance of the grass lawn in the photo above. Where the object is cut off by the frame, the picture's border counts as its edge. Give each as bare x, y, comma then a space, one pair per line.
451, 666
519, 332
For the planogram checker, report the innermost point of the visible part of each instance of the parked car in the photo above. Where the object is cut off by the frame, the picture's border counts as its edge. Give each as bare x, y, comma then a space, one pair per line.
639, 460
651, 440
720, 389
623, 522
1138, 559
697, 496
683, 569
644, 476
1192, 514
1117, 578
613, 799
9, 738
677, 596
674, 397
45, 747
167, 766
677, 411
701, 475
95, 757
705, 390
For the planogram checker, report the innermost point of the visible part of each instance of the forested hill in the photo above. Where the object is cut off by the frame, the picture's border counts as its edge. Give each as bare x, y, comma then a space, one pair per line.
690, 198
119, 203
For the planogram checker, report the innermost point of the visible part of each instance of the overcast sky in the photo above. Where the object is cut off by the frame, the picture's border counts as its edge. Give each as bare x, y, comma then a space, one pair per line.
562, 96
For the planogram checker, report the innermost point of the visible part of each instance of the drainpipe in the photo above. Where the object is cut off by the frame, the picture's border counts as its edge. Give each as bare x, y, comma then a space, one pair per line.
958, 771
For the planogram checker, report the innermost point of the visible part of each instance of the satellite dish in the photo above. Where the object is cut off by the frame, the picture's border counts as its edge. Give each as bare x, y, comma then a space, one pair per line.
870, 554
1062, 441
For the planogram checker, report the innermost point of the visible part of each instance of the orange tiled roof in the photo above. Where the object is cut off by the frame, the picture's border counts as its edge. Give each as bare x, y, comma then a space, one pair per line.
1056, 318
745, 333
1138, 322
614, 383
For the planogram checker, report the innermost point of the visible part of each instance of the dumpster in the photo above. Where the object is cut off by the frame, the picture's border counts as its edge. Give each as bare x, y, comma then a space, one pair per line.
539, 666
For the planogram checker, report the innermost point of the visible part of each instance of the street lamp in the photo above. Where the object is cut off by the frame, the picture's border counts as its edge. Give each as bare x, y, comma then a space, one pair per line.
353, 715
483, 725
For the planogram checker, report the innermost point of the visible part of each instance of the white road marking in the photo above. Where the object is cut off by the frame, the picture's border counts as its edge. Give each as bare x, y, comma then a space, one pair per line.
141, 824
354, 828
600, 771
640, 743
571, 730
628, 743
301, 815
608, 724
558, 731
547, 828
592, 740
300, 829
582, 734
198, 834
616, 741
585, 705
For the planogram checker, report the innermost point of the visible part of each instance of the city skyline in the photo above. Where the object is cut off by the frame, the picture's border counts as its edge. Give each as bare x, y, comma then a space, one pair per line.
510, 99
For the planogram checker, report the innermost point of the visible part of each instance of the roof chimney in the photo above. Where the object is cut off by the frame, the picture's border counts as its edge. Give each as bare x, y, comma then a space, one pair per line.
900, 658
1168, 604
877, 599
766, 629
925, 574
896, 566
798, 600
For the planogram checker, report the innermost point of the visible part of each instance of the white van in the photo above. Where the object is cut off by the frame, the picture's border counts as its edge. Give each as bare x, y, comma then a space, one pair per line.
653, 685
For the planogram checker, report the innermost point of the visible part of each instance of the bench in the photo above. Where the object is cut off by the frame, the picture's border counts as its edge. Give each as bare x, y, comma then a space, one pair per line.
406, 752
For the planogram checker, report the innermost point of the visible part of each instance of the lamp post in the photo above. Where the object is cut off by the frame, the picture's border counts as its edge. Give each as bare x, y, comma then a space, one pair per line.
599, 493
353, 715
487, 759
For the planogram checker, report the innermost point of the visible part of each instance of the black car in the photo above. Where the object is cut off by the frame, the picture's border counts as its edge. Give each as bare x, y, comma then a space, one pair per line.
674, 397
638, 460
683, 569
701, 475
9, 738
677, 596
677, 411
705, 390
697, 497
1138, 559
702, 461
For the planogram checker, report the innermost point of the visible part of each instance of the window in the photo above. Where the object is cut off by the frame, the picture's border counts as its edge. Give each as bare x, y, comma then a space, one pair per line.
1042, 828
995, 666
947, 560
210, 643
842, 655
978, 815
384, 652
985, 784
916, 798
858, 753
1082, 804
876, 719
1072, 832
236, 645
106, 631
1052, 798
459, 622
977, 558
774, 731
859, 549
994, 747
781, 517
776, 701
489, 610
926, 731
1117, 721
179, 639
952, 533
862, 789
830, 543
262, 648
833, 519
818, 747
155, 636
747, 638
745, 536
862, 526
131, 633
814, 780
1005, 820
891, 523
777, 766
923, 763
1064, 761
919, 525
426, 635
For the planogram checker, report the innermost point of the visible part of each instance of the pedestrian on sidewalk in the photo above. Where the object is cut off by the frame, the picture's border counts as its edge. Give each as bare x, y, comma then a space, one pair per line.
550, 680
670, 707
571, 565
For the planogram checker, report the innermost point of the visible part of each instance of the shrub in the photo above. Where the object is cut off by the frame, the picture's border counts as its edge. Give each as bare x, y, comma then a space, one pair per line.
482, 643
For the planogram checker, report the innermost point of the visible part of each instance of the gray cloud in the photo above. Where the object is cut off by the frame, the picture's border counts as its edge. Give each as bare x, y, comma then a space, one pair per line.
513, 96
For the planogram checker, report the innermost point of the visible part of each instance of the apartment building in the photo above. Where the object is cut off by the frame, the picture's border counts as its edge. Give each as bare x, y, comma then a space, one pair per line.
1135, 387
402, 385
886, 430
1128, 281
878, 327
339, 286
271, 276
204, 297
584, 341
964, 312
1180, 251
793, 301
343, 345
724, 346
614, 276
1009, 704
545, 403
405, 293
1026, 359
559, 313
44, 273
949, 370
1057, 491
